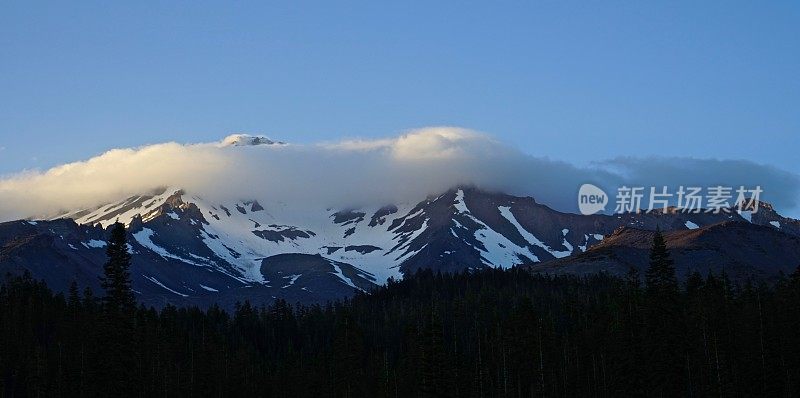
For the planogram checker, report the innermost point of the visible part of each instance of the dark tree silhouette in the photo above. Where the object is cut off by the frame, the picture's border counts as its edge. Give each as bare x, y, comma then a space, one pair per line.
118, 302
116, 335
660, 276
489, 333
663, 319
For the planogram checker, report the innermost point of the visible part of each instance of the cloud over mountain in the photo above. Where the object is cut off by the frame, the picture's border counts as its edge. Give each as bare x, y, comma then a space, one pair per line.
360, 172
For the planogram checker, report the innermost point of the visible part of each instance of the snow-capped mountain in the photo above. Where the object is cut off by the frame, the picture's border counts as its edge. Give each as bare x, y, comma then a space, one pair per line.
187, 249
248, 140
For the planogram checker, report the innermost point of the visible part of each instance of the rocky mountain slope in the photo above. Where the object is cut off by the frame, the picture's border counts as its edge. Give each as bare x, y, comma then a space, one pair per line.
740, 249
190, 250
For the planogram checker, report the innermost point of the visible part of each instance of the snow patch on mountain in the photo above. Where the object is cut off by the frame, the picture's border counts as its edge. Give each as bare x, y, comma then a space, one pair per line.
157, 282
505, 211
747, 215
94, 243
497, 250
210, 289
233, 238
338, 272
144, 237
123, 211
292, 279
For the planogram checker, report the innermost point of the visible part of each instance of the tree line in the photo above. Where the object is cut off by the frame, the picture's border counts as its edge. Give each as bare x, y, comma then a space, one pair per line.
490, 333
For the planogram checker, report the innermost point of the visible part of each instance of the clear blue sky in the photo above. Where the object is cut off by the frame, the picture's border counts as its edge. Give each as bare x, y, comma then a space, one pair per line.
574, 81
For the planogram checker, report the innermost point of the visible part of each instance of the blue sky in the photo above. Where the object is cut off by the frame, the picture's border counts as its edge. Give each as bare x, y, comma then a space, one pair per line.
574, 81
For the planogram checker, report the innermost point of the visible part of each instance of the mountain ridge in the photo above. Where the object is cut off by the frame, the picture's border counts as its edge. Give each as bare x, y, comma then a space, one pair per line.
187, 249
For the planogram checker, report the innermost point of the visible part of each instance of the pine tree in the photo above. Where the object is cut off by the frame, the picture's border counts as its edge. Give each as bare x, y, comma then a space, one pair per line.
661, 279
663, 319
118, 301
118, 350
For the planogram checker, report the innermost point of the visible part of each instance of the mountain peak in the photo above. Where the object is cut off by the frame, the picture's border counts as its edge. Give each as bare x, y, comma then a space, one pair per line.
248, 140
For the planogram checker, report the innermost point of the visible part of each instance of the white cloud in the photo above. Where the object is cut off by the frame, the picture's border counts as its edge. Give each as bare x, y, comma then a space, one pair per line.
356, 172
